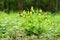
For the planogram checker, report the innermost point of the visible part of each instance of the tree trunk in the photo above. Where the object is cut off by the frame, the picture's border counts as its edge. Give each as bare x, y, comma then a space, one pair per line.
20, 4
6, 6
56, 5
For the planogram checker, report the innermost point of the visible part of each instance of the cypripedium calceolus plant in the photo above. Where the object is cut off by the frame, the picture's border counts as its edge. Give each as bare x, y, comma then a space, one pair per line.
38, 24
46, 16
31, 11
52, 23
22, 15
40, 11
40, 14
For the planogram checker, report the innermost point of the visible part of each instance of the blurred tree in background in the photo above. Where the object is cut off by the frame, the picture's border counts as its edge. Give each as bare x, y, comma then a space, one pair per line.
46, 5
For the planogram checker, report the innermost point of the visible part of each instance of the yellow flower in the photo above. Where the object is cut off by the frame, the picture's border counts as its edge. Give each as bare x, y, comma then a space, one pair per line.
21, 15
52, 24
39, 14
46, 16
40, 10
30, 12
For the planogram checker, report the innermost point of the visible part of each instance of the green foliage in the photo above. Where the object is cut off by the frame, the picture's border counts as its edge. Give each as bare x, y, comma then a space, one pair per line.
39, 23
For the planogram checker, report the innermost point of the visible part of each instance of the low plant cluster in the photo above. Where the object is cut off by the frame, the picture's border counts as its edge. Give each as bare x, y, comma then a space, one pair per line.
29, 25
